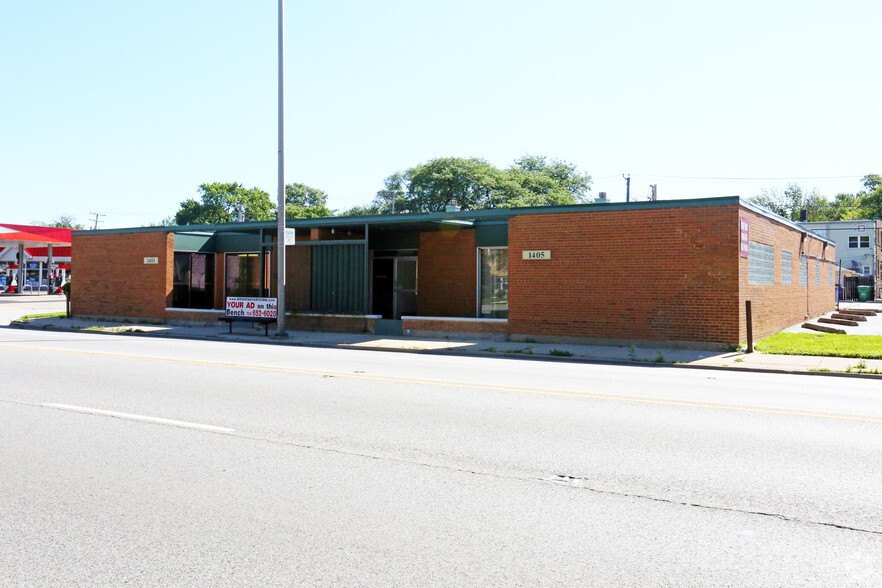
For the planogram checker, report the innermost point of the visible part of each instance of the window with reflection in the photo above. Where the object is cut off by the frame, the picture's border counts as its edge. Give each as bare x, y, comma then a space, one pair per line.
242, 274
193, 280
493, 280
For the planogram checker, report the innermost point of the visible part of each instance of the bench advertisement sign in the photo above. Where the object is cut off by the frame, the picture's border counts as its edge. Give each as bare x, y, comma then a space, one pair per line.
248, 307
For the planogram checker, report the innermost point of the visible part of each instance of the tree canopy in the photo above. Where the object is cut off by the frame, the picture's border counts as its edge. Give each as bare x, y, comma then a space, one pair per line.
871, 198
64, 221
474, 183
220, 203
789, 203
302, 201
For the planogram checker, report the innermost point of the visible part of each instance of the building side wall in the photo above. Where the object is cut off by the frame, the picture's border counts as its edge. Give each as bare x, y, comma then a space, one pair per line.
852, 258
112, 278
667, 274
447, 273
777, 306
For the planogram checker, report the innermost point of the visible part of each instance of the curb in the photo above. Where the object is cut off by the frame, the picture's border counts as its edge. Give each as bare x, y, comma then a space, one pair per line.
452, 352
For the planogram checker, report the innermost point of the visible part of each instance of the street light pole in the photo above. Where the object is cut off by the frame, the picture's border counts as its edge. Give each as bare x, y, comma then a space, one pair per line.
280, 211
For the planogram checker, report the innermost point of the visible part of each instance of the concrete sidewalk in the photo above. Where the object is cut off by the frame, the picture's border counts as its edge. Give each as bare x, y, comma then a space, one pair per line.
656, 355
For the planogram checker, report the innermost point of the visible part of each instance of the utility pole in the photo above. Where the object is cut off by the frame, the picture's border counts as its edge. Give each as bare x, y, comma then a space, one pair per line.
280, 214
96, 215
627, 187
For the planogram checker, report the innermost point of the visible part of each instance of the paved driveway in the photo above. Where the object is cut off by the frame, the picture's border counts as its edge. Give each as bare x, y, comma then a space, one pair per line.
13, 306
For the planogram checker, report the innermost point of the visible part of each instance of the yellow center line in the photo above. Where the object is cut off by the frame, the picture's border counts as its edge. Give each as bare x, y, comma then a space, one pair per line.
729, 406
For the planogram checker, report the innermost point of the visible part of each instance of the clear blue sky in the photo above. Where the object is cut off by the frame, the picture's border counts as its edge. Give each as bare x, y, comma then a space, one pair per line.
124, 108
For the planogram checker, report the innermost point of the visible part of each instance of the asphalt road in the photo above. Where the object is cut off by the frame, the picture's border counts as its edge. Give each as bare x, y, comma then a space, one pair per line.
152, 461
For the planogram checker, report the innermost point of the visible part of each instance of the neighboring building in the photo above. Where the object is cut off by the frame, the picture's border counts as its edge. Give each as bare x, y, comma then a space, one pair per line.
858, 244
30, 255
672, 271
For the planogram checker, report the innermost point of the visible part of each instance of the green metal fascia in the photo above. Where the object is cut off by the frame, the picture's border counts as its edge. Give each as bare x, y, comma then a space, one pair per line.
491, 235
237, 242
194, 242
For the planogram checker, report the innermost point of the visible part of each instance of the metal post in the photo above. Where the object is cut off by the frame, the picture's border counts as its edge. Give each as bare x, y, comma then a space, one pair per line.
280, 214
749, 317
50, 269
840, 287
21, 268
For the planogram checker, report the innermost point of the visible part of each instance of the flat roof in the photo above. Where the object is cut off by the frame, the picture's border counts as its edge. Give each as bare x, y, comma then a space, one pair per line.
425, 220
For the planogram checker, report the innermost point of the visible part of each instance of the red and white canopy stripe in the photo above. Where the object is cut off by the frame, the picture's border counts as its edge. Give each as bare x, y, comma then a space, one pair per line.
32, 236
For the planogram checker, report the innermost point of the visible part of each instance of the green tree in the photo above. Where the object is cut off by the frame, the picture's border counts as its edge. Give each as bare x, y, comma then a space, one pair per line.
474, 183
792, 201
166, 222
435, 184
871, 198
552, 176
64, 221
845, 207
391, 199
220, 203
302, 201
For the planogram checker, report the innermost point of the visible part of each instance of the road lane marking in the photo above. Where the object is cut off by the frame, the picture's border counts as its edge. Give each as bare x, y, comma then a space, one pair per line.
636, 399
138, 417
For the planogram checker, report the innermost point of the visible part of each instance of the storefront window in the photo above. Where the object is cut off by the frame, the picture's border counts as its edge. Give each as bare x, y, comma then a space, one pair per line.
243, 274
193, 280
493, 279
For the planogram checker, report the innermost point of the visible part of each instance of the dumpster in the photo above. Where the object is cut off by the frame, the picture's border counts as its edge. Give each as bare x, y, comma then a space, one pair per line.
864, 293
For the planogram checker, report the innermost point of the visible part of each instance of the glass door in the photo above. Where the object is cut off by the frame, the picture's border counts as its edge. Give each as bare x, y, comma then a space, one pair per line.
405, 286
394, 285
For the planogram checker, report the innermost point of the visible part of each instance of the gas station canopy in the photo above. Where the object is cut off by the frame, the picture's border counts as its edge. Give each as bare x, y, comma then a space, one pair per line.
32, 236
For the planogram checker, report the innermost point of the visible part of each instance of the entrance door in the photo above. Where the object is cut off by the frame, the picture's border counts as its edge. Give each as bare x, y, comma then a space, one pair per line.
394, 286
405, 286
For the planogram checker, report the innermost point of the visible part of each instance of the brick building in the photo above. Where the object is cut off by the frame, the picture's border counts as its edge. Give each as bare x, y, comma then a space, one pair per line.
673, 271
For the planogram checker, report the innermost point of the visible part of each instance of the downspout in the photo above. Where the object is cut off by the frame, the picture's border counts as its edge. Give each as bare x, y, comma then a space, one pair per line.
367, 268
803, 249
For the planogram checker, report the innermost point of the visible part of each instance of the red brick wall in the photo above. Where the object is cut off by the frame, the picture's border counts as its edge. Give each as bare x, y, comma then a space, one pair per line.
441, 325
777, 306
298, 290
447, 273
663, 274
112, 279
219, 277
642, 274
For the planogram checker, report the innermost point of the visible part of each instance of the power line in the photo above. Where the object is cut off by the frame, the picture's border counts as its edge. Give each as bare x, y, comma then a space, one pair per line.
96, 215
743, 179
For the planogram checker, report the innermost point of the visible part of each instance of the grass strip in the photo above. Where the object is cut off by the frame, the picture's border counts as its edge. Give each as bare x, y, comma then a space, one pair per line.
28, 317
822, 344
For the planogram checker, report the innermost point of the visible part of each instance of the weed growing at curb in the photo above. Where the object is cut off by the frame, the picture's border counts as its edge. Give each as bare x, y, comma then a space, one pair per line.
660, 358
528, 350
860, 368
560, 353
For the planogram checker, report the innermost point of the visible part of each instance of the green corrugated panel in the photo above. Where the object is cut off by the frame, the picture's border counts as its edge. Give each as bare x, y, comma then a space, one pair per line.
338, 278
189, 242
